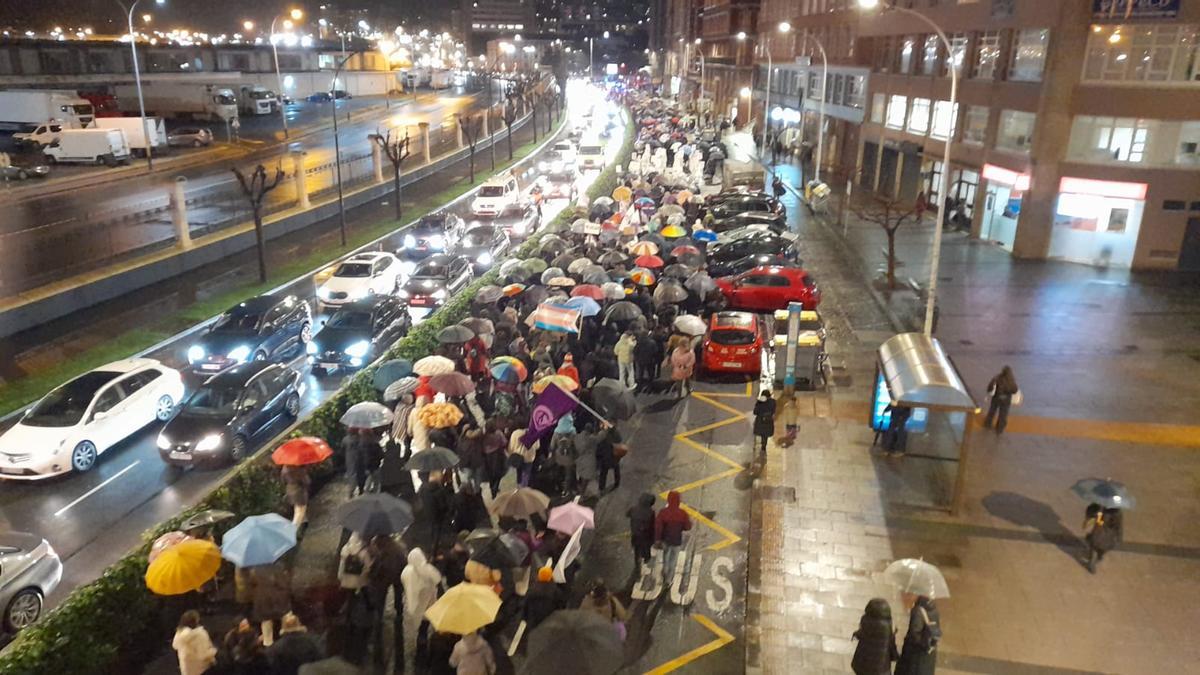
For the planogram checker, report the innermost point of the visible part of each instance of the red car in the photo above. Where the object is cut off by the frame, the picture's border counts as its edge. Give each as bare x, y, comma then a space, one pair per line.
733, 344
768, 288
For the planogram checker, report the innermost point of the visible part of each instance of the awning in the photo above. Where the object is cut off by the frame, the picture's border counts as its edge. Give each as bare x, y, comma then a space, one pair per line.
919, 374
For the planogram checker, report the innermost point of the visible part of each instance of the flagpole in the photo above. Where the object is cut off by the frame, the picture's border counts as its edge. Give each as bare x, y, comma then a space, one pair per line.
584, 406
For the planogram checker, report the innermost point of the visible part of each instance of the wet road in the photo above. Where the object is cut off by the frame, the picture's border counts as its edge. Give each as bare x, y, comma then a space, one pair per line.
49, 234
94, 518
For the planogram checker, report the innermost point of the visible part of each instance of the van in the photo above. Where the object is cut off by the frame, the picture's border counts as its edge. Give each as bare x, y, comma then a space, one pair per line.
89, 146
496, 197
591, 155
43, 135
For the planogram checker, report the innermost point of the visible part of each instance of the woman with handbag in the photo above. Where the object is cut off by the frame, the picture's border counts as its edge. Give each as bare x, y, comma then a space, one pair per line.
1005, 393
919, 654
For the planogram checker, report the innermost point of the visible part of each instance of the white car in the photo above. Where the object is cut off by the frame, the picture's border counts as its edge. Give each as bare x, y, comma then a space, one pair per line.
591, 155
70, 426
496, 197
566, 149
361, 276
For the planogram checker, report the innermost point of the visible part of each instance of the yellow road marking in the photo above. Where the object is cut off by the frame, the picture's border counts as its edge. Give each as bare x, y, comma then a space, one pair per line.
720, 406
702, 482
730, 538
709, 451
723, 638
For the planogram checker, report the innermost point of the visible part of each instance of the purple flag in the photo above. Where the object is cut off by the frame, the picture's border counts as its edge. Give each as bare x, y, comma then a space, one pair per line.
550, 405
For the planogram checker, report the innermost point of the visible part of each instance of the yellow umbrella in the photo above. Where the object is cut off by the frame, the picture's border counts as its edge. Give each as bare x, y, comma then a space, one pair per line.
561, 381
673, 231
184, 567
622, 194
464, 609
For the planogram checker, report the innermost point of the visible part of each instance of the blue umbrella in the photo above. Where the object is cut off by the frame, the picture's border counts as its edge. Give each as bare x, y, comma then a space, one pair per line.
704, 235
582, 304
390, 371
1105, 492
259, 540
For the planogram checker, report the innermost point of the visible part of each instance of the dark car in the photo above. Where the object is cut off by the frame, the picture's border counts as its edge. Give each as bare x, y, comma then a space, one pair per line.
483, 245
436, 278
434, 233
754, 243
357, 333
319, 97
264, 328
519, 227
733, 267
774, 221
223, 418
735, 204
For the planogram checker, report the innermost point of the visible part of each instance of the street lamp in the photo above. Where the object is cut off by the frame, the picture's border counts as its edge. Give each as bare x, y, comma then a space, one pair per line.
944, 182
296, 15
137, 77
783, 27
337, 148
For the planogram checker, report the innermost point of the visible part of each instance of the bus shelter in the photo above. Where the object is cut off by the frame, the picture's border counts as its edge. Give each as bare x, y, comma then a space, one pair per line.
913, 371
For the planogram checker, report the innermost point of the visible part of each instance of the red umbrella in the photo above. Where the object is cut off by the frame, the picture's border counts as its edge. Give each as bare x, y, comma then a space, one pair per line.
302, 451
452, 384
684, 249
648, 261
588, 291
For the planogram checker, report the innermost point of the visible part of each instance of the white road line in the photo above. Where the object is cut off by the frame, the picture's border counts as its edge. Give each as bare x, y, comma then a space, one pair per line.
96, 489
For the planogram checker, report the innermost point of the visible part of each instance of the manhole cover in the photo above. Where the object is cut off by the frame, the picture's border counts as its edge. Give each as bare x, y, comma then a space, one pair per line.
778, 493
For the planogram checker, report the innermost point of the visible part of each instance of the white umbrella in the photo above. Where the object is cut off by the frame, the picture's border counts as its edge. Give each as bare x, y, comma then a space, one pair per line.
367, 415
613, 291
912, 575
433, 365
689, 324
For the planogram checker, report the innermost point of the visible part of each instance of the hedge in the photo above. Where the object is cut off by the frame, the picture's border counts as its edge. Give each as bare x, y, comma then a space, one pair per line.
114, 624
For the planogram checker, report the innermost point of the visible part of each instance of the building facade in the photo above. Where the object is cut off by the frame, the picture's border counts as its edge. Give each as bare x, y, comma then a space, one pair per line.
483, 20
1075, 135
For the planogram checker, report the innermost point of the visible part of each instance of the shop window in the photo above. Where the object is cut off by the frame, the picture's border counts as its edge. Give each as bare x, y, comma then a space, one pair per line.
929, 59
1029, 54
1016, 130
1194, 206
1143, 53
1100, 139
987, 55
975, 124
944, 120
918, 118
897, 111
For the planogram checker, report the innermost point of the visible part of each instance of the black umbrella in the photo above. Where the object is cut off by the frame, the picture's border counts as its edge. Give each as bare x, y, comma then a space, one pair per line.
436, 458
614, 400
1104, 491
600, 212
670, 290
690, 258
563, 260
613, 258
373, 514
622, 310
204, 519
553, 243
575, 641
455, 334
496, 550
594, 277
677, 271
488, 294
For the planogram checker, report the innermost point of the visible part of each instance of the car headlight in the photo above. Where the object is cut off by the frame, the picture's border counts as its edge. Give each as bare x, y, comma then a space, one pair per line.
209, 442
239, 353
409, 241
358, 349
484, 258
440, 294
195, 353
164, 443
358, 293
323, 293
541, 166
311, 347
437, 241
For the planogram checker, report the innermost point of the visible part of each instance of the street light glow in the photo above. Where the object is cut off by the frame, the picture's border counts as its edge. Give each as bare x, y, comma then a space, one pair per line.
785, 27
248, 25
146, 18
746, 91
697, 40
287, 24
297, 14
741, 36
868, 4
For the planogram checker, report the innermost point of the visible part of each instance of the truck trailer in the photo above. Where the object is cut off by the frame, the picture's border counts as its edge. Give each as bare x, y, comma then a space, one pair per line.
135, 133
26, 109
189, 100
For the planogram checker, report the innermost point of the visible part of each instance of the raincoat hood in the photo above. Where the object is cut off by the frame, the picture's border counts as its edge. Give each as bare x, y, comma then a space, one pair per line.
647, 500
673, 499
416, 558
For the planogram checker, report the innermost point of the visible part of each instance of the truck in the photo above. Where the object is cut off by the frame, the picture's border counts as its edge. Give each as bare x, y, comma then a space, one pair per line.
89, 146
26, 109
172, 99
104, 105
440, 79
135, 133
256, 99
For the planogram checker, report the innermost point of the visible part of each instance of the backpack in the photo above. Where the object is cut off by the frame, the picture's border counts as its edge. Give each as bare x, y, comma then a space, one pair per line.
930, 634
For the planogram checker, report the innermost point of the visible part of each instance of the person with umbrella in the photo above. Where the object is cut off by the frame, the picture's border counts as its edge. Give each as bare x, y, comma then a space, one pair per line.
1102, 531
876, 648
296, 484
473, 656
436, 506
389, 560
362, 457
421, 581
271, 591
919, 653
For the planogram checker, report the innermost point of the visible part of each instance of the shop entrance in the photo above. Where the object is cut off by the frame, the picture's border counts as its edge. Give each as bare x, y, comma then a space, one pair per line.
1001, 209
1097, 222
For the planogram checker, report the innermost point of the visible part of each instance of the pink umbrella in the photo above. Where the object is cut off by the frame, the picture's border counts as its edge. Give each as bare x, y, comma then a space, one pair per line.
165, 542
570, 517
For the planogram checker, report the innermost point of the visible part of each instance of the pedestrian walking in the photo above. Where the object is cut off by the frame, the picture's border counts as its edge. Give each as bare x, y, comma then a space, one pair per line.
606, 606
296, 482
473, 656
192, 645
610, 450
1004, 393
646, 355
361, 458
683, 361
787, 420
669, 526
625, 361
437, 507
641, 527
895, 439
778, 188
272, 591
420, 580
294, 648
764, 420
1102, 530
389, 560
918, 656
243, 650
543, 598
876, 648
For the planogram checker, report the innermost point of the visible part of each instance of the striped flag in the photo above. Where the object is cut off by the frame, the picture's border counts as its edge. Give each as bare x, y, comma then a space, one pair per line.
556, 319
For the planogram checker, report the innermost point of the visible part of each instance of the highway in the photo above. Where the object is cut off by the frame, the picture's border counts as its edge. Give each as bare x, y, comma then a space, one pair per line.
92, 519
53, 233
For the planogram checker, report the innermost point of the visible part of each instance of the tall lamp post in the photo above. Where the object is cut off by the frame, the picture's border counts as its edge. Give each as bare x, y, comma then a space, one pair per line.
944, 183
296, 15
137, 77
337, 148
821, 113
783, 27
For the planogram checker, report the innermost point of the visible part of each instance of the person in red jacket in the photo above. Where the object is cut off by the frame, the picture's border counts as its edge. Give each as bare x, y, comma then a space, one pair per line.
568, 369
669, 526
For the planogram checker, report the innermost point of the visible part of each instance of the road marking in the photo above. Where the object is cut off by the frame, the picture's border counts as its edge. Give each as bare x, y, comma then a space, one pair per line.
96, 489
723, 638
730, 537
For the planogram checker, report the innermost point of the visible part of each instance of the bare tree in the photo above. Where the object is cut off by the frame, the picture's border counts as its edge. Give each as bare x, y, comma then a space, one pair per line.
255, 188
529, 99
510, 116
888, 213
548, 100
397, 150
471, 126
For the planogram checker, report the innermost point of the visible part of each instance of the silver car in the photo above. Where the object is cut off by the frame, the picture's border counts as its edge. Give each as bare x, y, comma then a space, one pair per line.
190, 137
29, 571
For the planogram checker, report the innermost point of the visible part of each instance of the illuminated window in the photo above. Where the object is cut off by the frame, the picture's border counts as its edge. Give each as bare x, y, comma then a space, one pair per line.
944, 120
897, 111
975, 125
918, 119
987, 55
1015, 131
930, 55
1029, 54
1149, 53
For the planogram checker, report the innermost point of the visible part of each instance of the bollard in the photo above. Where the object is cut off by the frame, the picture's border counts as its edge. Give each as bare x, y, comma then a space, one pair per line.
425, 139
183, 233
377, 160
458, 127
298, 179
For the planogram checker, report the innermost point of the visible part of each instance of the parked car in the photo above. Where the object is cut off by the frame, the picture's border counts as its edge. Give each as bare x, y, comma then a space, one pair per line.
357, 333
265, 328
15, 172
194, 137
733, 344
319, 97
434, 233
525, 223
69, 427
766, 289
752, 243
483, 245
751, 201
435, 279
554, 166
341, 93
360, 276
735, 267
29, 571
223, 418
496, 197
774, 221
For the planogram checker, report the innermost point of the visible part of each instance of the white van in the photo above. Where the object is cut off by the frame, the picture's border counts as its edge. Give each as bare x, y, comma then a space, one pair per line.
89, 146
496, 197
591, 154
